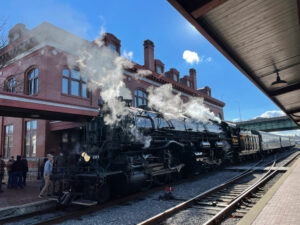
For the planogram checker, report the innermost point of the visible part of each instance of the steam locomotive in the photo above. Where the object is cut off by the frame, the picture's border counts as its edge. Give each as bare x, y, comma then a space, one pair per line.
144, 149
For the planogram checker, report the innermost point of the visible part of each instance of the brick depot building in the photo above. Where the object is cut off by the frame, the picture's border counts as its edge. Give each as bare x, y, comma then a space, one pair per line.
37, 72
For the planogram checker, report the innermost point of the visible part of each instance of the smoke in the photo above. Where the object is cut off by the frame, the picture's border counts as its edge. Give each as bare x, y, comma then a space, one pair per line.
139, 137
104, 69
173, 107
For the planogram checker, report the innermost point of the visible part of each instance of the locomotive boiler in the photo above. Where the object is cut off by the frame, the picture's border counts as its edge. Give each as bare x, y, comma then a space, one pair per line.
145, 149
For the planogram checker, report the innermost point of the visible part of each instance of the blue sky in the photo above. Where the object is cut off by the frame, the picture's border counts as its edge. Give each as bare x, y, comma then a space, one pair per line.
134, 21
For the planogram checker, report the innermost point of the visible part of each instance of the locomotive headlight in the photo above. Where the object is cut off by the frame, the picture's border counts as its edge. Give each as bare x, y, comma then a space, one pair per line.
85, 156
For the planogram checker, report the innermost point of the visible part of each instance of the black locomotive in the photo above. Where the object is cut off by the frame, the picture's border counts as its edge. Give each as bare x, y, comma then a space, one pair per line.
144, 148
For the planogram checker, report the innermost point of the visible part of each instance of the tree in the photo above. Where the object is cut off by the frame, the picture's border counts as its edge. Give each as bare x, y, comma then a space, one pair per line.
3, 33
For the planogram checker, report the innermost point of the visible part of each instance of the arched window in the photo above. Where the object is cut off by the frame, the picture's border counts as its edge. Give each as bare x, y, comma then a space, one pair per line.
10, 85
33, 82
140, 98
74, 83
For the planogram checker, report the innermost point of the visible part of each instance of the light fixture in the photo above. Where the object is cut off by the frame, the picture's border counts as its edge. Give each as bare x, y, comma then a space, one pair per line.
278, 82
85, 156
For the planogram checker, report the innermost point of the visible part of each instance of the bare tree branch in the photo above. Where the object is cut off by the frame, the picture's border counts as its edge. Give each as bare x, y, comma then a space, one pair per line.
3, 33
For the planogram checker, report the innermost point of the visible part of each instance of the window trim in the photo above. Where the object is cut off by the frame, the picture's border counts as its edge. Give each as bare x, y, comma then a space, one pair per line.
31, 131
11, 135
142, 97
26, 84
70, 79
7, 82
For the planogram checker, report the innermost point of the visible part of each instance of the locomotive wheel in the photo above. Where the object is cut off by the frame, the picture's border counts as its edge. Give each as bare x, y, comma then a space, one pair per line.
103, 193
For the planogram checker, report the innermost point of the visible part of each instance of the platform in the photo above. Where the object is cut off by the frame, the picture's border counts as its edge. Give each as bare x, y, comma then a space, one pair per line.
281, 204
259, 168
13, 197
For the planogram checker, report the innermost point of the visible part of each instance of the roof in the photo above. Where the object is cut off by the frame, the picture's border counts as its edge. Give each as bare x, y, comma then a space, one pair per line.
260, 37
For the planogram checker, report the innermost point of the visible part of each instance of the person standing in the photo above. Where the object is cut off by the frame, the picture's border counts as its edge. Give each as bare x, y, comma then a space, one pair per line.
47, 173
9, 168
25, 169
42, 173
2, 165
17, 172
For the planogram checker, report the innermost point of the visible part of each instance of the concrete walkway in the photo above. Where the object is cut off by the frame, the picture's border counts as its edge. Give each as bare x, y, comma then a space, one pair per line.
281, 204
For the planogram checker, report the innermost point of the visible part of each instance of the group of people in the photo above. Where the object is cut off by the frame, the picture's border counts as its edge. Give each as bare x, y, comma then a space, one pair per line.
17, 172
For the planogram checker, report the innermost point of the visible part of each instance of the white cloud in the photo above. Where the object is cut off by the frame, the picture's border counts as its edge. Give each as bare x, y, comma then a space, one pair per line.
269, 114
236, 120
191, 57
208, 59
128, 55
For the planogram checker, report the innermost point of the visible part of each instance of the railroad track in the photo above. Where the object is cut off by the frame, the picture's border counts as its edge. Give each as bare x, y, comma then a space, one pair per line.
59, 216
235, 195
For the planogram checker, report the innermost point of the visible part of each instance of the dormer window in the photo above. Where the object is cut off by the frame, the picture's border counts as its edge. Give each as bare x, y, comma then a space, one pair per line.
168, 75
188, 83
182, 81
176, 78
112, 46
159, 70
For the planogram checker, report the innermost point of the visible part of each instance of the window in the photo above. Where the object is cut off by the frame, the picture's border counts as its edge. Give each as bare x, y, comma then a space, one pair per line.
168, 75
74, 83
112, 46
182, 81
30, 138
188, 83
33, 82
70, 140
8, 140
11, 85
140, 98
143, 122
176, 78
159, 69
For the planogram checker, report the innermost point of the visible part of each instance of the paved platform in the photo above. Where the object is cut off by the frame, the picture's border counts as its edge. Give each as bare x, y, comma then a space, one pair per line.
13, 197
242, 168
281, 204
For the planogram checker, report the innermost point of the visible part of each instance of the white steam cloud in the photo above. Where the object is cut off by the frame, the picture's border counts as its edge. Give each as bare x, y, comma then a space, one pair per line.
128, 55
173, 107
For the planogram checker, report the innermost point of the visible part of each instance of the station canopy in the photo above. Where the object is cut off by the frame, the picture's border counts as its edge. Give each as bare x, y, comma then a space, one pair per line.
260, 37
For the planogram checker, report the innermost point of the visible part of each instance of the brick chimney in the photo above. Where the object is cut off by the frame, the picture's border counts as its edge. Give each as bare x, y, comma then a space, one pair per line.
17, 32
149, 55
193, 78
112, 42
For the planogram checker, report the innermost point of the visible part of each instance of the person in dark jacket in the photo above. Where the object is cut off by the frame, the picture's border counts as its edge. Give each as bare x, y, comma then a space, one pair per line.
9, 165
42, 173
25, 169
17, 172
2, 165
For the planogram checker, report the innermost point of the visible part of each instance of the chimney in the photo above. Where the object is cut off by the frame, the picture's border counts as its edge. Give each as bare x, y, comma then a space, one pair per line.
17, 32
193, 78
112, 42
149, 55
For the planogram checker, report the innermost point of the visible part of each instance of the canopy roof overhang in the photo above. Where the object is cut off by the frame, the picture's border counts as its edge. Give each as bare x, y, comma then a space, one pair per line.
260, 37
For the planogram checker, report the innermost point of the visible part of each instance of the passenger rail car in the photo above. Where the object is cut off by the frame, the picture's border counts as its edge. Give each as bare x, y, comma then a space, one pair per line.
144, 148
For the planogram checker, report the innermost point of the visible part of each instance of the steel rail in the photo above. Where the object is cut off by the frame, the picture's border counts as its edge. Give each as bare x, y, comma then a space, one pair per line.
267, 176
169, 212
